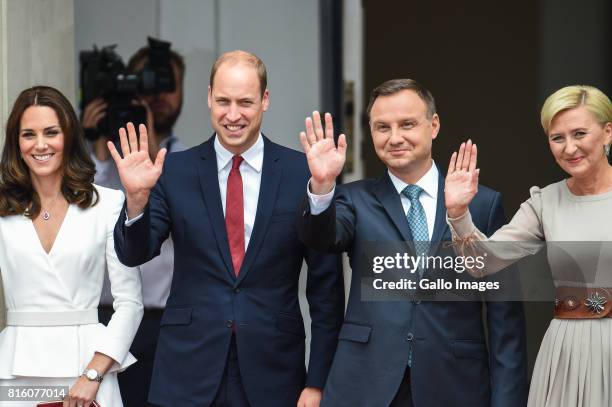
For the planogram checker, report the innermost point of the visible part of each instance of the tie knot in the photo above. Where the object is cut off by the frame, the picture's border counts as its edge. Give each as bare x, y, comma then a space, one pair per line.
412, 192
236, 161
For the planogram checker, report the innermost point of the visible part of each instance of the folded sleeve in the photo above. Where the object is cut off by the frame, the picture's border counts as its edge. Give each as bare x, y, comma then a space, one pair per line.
126, 290
523, 236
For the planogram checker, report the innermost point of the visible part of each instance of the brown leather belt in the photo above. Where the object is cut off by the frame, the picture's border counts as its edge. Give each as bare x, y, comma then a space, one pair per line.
583, 302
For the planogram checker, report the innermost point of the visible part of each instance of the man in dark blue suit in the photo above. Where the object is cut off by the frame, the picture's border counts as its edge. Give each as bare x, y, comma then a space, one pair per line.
410, 352
232, 334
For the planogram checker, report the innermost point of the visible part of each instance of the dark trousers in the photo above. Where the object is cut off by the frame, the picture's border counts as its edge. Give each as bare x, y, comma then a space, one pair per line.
231, 391
403, 398
135, 381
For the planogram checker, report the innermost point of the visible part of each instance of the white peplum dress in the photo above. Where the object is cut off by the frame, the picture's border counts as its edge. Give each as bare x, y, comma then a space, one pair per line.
52, 299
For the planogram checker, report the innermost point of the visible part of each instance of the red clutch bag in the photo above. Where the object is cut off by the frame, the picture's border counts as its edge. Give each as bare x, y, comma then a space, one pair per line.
60, 404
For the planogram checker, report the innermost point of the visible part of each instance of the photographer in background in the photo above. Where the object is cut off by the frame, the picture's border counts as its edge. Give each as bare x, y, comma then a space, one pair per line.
163, 109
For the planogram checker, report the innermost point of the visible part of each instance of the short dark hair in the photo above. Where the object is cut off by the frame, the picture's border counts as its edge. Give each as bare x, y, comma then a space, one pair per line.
244, 57
142, 56
394, 86
17, 194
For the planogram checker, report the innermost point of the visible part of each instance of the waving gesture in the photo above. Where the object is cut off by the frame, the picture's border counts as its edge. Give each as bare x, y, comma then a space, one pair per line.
325, 160
137, 172
461, 180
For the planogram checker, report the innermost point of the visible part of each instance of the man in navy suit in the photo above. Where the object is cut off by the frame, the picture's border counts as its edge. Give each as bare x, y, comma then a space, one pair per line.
411, 352
232, 334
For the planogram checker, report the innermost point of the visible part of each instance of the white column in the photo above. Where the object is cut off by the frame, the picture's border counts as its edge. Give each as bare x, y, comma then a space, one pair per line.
36, 48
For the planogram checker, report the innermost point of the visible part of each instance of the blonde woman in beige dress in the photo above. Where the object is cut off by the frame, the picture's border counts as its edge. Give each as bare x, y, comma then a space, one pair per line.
574, 364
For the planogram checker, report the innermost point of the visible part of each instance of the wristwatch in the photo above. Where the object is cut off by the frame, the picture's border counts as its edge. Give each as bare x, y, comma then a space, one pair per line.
92, 375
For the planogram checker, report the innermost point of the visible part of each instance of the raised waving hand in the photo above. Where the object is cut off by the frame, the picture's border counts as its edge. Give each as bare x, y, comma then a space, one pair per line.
137, 172
325, 159
461, 180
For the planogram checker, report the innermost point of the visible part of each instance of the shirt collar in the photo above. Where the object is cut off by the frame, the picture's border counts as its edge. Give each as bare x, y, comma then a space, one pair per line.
253, 156
429, 182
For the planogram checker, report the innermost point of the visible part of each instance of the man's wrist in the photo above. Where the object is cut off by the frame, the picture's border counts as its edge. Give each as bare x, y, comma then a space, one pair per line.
321, 188
136, 204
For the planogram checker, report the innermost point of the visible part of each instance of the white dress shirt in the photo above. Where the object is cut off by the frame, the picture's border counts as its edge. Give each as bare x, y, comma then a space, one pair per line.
429, 197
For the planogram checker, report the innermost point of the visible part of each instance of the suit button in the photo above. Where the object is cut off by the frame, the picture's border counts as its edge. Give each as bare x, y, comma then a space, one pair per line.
409, 337
417, 302
229, 323
236, 290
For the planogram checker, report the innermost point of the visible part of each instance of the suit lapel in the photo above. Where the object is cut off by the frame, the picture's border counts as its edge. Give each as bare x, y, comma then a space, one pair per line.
440, 225
268, 190
209, 182
386, 193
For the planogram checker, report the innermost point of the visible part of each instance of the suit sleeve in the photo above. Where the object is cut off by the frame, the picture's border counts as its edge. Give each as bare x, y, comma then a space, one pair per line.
141, 241
332, 230
325, 294
507, 342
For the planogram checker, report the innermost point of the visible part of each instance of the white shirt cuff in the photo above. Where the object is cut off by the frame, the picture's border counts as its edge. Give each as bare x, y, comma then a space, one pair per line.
129, 222
319, 203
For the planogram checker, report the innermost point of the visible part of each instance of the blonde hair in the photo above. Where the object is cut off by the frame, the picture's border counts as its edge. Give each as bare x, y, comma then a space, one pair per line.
574, 96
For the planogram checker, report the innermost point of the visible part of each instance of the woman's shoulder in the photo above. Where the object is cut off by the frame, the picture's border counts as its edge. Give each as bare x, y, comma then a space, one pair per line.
108, 193
549, 190
108, 197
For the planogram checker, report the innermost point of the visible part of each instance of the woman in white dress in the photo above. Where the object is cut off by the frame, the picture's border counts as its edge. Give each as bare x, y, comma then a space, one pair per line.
574, 364
56, 242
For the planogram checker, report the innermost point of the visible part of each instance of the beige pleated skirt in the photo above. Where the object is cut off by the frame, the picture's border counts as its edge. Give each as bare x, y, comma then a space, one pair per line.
573, 365
108, 393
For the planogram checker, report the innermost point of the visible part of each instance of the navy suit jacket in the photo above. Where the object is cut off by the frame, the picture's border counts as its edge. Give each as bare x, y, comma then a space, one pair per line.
207, 302
451, 364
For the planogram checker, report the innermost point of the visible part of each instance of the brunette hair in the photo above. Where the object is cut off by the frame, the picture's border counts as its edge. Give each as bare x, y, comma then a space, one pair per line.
17, 195
393, 86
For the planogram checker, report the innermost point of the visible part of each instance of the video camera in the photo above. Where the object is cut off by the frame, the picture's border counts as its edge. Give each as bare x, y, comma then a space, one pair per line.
104, 75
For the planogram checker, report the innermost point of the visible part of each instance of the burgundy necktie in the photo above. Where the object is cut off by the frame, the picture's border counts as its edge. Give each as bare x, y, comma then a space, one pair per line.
234, 214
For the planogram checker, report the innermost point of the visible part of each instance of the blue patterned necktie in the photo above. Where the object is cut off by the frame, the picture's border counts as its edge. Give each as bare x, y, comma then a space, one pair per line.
417, 221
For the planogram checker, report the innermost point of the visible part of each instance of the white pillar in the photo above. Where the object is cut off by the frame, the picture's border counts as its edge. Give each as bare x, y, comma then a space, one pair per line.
36, 48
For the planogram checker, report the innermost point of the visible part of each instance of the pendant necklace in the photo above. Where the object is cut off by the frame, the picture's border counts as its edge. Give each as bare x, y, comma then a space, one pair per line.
45, 213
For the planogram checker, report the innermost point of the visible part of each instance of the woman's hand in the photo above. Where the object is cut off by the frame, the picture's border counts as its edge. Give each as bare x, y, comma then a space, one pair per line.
82, 393
461, 180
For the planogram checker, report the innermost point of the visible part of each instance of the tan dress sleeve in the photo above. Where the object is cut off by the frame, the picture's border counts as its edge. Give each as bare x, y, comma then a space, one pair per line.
523, 236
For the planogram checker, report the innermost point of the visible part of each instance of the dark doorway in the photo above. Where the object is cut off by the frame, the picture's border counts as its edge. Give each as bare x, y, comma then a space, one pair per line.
490, 66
